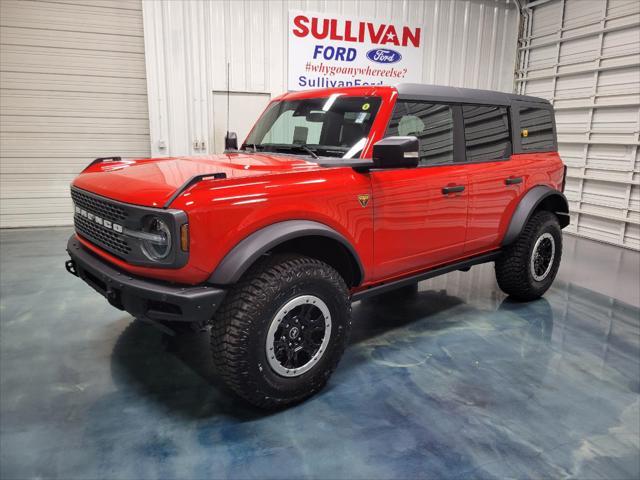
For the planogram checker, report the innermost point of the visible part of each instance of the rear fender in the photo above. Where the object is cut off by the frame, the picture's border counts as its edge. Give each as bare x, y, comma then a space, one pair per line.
540, 197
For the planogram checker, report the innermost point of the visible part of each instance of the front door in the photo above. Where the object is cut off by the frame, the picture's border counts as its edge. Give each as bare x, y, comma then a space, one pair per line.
420, 214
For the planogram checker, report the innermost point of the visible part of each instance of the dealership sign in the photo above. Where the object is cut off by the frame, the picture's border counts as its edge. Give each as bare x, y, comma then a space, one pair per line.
332, 51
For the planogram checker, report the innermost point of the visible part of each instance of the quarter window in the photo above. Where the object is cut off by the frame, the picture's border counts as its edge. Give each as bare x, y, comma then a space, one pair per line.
486, 133
431, 123
536, 129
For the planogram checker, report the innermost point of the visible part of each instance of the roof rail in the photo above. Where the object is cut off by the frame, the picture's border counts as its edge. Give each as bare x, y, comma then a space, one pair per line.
192, 181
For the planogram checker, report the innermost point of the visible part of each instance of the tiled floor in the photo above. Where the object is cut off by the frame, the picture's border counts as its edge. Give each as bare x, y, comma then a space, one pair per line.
456, 382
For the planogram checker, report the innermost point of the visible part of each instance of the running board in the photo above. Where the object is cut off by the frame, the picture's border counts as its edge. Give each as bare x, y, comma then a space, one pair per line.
386, 287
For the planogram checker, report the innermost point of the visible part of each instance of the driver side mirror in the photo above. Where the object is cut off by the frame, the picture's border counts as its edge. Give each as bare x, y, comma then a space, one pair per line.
231, 141
396, 152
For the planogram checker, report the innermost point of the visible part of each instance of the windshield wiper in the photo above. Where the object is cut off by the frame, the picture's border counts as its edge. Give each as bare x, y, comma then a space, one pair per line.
274, 147
306, 149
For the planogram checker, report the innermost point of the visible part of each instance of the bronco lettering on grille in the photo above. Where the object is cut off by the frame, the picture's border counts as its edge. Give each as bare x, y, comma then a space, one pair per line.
99, 220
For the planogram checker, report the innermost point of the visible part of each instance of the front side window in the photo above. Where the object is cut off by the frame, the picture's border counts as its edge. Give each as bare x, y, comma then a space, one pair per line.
486, 133
334, 126
431, 123
536, 129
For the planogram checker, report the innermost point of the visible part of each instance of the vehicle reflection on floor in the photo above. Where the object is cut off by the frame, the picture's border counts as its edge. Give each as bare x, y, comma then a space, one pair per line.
452, 380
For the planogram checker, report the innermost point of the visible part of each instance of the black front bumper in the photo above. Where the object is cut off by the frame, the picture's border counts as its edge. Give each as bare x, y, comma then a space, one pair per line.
143, 298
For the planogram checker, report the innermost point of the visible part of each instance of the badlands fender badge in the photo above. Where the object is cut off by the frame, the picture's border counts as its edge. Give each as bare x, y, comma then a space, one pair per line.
363, 199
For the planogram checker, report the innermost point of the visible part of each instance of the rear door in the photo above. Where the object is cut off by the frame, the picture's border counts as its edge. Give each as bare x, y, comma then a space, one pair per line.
420, 214
496, 178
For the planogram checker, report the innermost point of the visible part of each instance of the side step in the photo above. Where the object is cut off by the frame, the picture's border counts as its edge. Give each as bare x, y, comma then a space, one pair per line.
463, 265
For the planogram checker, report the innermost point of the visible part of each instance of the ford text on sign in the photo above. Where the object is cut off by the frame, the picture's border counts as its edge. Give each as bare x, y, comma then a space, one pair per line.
326, 50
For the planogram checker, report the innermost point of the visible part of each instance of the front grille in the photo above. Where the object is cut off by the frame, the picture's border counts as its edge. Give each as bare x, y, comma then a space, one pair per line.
108, 239
111, 225
99, 207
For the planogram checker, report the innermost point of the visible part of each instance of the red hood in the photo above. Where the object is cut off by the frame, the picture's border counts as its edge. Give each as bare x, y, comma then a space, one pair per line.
151, 182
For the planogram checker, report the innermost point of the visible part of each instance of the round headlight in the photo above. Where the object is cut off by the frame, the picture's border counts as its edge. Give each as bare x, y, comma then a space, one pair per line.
157, 244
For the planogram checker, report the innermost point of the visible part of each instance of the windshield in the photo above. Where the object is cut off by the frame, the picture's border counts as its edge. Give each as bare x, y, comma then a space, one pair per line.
334, 126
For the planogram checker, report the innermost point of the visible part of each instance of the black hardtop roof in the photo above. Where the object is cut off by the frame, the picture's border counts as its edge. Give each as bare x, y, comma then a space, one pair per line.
419, 91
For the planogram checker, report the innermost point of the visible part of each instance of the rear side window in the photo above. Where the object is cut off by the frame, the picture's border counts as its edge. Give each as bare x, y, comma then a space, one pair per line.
486, 133
536, 129
431, 123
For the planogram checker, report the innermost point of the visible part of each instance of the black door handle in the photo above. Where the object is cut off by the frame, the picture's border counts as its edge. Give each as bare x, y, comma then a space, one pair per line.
452, 189
513, 180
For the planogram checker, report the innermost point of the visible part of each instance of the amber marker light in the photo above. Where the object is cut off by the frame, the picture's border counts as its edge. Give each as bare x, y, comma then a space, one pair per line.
184, 237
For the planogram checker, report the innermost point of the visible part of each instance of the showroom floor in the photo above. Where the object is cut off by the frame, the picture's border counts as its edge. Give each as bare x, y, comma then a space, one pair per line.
456, 382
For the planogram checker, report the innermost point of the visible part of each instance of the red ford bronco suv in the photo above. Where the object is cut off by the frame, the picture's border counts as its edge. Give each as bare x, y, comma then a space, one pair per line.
335, 195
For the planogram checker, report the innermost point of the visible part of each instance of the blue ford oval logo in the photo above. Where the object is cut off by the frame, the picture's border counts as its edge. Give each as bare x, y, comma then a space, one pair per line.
383, 55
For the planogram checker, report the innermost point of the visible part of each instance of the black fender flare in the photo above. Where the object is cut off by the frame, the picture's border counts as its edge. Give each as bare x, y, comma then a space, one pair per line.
553, 200
238, 260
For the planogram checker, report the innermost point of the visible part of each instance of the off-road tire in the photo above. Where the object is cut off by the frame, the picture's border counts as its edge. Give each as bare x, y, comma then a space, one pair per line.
240, 327
513, 270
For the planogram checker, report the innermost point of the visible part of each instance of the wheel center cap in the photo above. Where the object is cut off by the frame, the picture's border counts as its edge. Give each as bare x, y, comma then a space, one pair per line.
294, 332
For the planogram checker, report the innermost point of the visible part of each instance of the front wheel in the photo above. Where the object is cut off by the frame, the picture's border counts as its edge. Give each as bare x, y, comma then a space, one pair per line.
527, 268
281, 331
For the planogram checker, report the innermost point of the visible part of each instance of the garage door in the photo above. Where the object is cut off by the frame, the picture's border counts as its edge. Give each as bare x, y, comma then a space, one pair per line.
73, 87
584, 56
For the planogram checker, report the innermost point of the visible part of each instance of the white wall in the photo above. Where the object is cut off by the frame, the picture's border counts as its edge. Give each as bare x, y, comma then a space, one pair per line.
72, 88
188, 44
584, 56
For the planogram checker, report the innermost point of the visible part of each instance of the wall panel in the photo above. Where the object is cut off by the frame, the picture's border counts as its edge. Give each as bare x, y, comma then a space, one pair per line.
72, 88
584, 56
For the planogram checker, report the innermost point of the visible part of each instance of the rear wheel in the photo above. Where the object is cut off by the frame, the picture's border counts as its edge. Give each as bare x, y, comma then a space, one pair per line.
527, 268
281, 331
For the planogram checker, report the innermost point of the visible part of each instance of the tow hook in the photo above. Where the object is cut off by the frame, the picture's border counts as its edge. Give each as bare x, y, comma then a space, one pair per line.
70, 265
